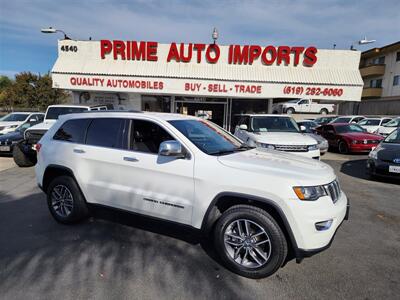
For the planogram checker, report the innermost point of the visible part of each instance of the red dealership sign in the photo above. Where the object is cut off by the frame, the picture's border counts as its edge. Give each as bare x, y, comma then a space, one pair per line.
186, 53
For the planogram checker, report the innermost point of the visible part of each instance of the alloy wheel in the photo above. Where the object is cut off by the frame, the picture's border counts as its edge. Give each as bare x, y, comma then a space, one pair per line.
247, 243
62, 200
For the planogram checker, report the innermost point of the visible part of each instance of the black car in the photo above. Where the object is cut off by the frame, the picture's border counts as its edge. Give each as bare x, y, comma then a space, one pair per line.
384, 160
7, 141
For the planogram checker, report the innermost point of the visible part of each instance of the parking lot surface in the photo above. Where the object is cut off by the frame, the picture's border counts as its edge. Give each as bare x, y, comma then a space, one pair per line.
120, 256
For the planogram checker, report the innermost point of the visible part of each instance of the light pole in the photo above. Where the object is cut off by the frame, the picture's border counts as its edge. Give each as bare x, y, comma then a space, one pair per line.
364, 41
215, 35
54, 30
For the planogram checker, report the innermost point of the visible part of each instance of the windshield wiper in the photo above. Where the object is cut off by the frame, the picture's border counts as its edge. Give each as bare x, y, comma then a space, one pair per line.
222, 152
245, 147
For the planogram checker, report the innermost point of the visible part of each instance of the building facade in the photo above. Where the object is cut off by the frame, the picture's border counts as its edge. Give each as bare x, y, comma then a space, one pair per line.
380, 71
216, 82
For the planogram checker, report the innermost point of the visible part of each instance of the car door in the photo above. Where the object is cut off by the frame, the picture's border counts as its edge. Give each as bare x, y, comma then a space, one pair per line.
304, 105
328, 132
151, 184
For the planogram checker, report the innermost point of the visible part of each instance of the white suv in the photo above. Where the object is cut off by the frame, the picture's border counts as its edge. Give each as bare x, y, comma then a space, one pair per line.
259, 205
277, 132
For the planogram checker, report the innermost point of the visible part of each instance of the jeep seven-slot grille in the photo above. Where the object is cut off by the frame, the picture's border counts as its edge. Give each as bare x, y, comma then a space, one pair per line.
333, 190
292, 148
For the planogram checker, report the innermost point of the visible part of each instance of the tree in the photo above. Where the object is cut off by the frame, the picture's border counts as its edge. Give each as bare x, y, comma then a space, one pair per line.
5, 84
31, 91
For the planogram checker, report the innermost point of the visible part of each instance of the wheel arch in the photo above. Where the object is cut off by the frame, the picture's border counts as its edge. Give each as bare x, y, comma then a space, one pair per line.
53, 171
225, 200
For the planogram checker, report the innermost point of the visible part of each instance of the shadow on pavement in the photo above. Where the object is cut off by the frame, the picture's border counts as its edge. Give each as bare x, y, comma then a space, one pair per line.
131, 255
358, 168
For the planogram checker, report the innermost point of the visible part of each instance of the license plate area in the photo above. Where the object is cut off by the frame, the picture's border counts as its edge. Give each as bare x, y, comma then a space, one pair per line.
5, 148
394, 169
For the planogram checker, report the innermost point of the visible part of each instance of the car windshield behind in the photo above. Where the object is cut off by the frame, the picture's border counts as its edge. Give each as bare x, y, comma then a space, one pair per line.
207, 136
323, 120
274, 124
394, 137
369, 122
349, 128
393, 123
54, 112
341, 120
15, 117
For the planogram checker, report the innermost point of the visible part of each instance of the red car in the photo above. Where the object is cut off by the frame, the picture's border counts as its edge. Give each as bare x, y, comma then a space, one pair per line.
349, 137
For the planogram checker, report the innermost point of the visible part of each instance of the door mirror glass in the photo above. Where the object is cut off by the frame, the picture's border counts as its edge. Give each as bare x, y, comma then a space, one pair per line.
243, 127
171, 148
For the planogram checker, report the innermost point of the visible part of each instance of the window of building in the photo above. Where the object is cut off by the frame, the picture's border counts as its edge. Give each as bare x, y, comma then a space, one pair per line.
147, 136
396, 80
398, 56
375, 83
378, 60
107, 132
156, 103
72, 131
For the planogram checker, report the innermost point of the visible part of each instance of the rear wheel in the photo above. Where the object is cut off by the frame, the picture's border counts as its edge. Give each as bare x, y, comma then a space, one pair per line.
250, 242
290, 111
21, 159
343, 147
65, 200
323, 111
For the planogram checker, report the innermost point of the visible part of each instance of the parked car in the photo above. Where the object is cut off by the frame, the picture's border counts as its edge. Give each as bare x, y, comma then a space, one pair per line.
24, 153
372, 124
349, 137
309, 128
256, 204
302, 106
324, 120
11, 121
347, 119
384, 160
9, 140
277, 132
389, 127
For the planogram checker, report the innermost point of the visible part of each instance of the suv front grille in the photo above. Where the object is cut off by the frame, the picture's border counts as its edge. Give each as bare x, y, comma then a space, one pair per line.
333, 190
292, 148
33, 136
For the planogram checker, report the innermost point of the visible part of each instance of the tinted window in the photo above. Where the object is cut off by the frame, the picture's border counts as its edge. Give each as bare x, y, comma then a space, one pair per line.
147, 136
54, 112
349, 128
385, 121
72, 131
15, 117
341, 120
274, 124
106, 132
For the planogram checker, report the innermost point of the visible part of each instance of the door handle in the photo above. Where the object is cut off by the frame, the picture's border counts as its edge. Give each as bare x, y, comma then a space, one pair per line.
76, 150
130, 159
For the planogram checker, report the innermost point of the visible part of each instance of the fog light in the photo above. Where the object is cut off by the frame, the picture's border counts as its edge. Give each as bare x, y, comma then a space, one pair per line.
324, 225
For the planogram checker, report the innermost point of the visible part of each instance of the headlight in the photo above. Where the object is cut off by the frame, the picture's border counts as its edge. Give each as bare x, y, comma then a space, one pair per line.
11, 126
267, 146
309, 193
313, 147
374, 153
356, 142
323, 144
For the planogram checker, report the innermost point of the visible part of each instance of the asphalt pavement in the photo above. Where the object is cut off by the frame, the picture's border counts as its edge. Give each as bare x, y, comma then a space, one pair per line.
120, 256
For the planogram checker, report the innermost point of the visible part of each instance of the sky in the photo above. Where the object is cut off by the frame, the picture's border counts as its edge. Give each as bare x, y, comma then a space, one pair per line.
320, 23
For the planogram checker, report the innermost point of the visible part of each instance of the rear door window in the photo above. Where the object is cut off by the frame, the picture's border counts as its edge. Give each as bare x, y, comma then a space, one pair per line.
72, 131
107, 132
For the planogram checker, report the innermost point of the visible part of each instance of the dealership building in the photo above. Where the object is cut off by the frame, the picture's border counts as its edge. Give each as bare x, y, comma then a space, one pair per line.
208, 80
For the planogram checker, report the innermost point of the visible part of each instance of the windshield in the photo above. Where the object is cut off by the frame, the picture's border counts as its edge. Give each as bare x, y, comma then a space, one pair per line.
23, 127
54, 112
341, 120
393, 123
15, 117
323, 120
369, 122
394, 137
293, 101
274, 124
207, 136
349, 128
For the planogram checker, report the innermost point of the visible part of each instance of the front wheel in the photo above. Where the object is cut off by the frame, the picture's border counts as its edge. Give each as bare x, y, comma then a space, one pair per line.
343, 148
250, 242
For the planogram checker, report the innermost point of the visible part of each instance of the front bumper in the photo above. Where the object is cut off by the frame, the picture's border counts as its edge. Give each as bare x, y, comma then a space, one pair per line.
381, 168
361, 147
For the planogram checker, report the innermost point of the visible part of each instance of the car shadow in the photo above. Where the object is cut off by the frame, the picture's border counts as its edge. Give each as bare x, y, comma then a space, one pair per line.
358, 168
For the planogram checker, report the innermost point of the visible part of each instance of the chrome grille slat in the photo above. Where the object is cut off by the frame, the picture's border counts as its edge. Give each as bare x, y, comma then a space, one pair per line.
292, 148
333, 190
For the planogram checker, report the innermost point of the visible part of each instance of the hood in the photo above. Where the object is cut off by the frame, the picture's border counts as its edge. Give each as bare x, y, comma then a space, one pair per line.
4, 123
283, 138
316, 137
12, 136
300, 169
43, 126
388, 151
361, 136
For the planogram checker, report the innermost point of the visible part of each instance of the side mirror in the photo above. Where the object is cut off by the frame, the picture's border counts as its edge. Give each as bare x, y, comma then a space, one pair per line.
243, 127
32, 120
302, 128
171, 148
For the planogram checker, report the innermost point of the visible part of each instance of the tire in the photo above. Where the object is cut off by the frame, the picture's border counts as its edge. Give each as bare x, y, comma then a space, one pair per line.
343, 148
21, 159
290, 111
257, 219
73, 207
323, 111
